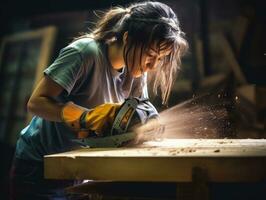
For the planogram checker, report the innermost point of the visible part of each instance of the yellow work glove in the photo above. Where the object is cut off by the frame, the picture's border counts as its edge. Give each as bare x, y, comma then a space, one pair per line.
98, 119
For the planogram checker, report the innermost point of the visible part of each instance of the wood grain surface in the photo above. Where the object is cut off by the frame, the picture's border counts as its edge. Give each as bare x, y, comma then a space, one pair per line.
166, 160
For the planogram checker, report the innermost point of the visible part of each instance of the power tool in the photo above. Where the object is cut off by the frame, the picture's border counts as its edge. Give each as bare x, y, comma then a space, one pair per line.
133, 114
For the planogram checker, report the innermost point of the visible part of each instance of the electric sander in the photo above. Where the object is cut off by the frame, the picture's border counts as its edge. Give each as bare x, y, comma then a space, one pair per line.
136, 120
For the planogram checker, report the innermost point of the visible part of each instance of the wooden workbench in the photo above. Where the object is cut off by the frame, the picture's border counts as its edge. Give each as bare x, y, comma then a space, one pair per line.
168, 160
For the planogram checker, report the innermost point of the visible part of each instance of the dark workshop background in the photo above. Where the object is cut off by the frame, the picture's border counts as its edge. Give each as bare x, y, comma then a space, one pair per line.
225, 65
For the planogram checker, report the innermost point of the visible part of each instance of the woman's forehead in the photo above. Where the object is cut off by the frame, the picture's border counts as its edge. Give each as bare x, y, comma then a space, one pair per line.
161, 48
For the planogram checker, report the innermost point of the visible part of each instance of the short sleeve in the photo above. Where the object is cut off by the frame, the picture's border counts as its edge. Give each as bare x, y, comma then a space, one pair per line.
66, 69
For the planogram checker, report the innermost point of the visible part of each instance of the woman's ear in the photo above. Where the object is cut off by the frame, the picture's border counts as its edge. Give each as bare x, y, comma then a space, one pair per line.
125, 37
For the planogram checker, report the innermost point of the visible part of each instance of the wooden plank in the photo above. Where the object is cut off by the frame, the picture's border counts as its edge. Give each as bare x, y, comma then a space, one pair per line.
231, 59
169, 160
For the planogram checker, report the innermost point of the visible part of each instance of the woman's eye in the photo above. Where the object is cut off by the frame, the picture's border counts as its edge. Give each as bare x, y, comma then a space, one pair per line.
150, 55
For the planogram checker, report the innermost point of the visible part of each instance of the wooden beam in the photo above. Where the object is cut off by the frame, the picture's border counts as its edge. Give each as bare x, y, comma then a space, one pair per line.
169, 160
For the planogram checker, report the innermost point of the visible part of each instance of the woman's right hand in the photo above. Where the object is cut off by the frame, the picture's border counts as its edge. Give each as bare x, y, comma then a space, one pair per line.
99, 119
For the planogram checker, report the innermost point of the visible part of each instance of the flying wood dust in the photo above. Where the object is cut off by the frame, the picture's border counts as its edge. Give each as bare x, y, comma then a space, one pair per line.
187, 120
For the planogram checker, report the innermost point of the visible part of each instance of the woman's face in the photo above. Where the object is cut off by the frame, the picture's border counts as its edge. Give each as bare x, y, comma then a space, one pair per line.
149, 59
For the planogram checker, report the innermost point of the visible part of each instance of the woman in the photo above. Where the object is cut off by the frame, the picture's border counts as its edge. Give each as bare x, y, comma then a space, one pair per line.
85, 85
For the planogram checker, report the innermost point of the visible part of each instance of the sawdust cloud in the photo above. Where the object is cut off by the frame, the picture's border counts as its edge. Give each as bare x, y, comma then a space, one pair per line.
190, 119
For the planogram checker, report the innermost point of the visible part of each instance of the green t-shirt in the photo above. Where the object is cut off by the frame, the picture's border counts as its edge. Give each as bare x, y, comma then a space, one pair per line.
84, 71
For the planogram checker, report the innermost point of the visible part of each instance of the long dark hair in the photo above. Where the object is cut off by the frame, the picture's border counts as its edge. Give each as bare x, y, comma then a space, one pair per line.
146, 23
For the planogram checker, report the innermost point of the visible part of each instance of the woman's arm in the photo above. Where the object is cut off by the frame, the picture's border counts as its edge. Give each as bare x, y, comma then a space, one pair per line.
42, 103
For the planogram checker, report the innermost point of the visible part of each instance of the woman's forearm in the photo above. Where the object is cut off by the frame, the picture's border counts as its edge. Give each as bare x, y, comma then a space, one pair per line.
46, 108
